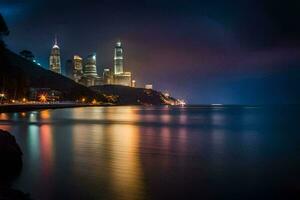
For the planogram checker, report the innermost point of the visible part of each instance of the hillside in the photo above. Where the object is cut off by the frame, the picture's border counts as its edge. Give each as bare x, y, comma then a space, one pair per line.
17, 75
124, 95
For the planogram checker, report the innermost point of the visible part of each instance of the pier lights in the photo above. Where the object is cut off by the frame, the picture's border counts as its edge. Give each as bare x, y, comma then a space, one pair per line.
181, 102
83, 100
94, 101
24, 100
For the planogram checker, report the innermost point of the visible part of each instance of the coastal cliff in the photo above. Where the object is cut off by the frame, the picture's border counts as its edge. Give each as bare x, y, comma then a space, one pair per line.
124, 95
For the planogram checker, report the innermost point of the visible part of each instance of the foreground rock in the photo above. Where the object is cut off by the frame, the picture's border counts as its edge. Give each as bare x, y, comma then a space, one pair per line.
10, 167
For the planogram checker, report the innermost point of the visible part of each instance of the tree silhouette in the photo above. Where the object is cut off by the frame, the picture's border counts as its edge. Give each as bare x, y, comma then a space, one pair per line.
27, 54
3, 30
3, 27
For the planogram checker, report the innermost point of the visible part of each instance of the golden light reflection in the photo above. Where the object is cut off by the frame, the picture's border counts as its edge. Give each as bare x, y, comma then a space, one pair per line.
4, 116
122, 113
45, 114
125, 165
3, 123
109, 153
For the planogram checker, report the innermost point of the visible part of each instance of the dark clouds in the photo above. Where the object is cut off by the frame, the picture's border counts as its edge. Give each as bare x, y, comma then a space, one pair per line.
200, 50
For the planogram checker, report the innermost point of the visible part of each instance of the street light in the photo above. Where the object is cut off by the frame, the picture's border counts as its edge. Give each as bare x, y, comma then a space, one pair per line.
43, 98
2, 95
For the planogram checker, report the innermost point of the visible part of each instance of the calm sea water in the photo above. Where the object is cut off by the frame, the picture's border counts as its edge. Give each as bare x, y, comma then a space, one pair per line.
159, 152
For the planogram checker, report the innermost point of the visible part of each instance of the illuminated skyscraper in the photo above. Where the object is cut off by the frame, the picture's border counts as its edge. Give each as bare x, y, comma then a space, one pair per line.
77, 68
90, 68
107, 77
118, 59
54, 60
90, 76
133, 83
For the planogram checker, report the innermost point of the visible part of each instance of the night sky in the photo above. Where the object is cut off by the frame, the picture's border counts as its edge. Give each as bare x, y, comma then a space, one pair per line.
216, 51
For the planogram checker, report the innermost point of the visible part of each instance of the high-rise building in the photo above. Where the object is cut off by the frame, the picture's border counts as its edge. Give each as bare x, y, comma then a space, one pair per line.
133, 83
120, 77
90, 68
90, 76
107, 77
118, 59
54, 60
77, 68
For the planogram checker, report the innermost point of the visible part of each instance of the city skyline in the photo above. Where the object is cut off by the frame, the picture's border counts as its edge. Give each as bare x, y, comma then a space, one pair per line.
84, 71
205, 52
149, 99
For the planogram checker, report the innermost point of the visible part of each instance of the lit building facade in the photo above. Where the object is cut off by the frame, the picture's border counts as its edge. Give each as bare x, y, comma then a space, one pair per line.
54, 59
90, 76
107, 77
118, 59
133, 83
90, 68
123, 79
77, 68
149, 86
120, 77
84, 71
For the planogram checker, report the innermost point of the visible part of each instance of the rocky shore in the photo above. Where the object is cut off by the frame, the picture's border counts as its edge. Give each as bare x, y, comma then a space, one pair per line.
10, 167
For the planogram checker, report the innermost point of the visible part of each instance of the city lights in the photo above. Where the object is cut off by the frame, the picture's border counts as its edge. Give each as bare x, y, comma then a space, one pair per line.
181, 102
43, 98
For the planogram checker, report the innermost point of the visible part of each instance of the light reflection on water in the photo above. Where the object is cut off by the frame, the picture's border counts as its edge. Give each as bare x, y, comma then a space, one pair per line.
155, 152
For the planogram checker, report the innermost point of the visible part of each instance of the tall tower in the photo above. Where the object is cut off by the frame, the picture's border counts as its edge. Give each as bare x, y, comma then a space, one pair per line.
118, 59
54, 60
77, 68
90, 68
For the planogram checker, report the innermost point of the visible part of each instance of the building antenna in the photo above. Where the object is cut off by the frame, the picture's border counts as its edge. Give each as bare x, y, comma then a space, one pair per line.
55, 39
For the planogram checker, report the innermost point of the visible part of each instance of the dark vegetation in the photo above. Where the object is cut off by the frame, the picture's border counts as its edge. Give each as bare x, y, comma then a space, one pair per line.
124, 95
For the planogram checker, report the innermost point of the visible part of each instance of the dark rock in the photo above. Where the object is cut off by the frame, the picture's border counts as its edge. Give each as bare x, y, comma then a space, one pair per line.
10, 157
10, 167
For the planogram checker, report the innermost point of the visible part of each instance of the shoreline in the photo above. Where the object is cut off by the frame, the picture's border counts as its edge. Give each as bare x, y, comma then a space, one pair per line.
9, 108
